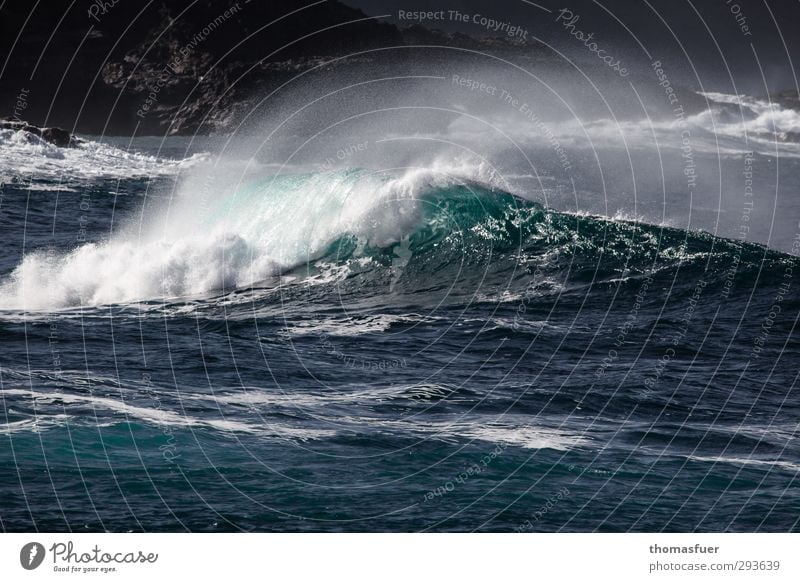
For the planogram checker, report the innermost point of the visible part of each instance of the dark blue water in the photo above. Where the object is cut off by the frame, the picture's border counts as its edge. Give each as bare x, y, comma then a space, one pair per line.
501, 367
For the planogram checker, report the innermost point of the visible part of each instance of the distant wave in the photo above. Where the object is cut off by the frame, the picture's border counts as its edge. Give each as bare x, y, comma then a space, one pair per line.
31, 161
731, 124
755, 117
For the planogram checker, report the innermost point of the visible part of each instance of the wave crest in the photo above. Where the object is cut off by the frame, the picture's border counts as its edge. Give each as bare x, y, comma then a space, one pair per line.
406, 230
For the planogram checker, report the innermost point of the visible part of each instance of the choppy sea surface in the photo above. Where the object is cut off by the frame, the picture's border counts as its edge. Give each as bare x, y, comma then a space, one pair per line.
380, 350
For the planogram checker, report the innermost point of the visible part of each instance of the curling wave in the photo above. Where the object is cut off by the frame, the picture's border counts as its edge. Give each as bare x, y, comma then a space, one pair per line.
423, 228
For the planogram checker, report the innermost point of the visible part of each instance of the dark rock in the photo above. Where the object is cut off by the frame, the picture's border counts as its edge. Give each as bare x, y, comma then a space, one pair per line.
57, 136
180, 66
787, 99
173, 66
54, 135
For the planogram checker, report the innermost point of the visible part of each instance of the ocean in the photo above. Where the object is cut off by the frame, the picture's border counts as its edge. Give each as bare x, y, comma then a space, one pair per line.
191, 343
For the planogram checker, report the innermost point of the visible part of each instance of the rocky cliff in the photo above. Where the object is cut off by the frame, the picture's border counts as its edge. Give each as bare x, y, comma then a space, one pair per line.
177, 66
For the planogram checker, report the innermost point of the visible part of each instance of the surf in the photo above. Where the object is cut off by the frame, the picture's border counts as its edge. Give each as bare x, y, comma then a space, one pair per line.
404, 230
